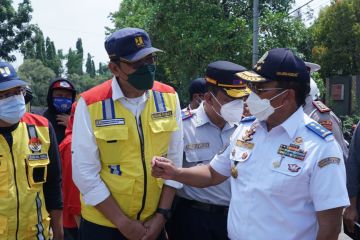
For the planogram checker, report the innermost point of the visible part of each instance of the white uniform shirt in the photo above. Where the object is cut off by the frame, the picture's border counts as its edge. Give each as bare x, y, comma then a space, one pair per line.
202, 141
86, 164
269, 202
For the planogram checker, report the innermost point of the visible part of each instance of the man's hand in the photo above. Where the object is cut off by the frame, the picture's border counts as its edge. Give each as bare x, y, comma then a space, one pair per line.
154, 227
350, 216
163, 168
62, 119
133, 230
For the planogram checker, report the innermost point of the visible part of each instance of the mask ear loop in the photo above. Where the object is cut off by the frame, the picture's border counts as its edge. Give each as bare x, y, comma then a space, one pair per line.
213, 106
275, 108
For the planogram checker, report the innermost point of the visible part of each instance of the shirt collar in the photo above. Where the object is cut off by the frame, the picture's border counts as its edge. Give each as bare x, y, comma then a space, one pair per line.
117, 92
201, 117
291, 124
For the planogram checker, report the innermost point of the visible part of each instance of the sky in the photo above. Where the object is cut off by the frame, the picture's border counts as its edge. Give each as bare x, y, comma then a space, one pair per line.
64, 21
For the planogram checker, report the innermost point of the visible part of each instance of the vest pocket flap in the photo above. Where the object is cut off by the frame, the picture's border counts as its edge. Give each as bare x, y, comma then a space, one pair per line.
163, 125
111, 133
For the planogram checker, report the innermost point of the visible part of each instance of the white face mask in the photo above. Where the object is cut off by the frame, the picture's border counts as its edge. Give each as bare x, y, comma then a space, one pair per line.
232, 111
12, 108
261, 108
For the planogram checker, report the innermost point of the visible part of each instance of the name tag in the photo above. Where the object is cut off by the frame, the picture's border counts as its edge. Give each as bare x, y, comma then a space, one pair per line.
197, 146
109, 122
36, 157
165, 114
243, 144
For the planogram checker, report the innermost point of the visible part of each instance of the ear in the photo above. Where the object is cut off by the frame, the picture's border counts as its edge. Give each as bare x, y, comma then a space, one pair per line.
289, 96
116, 70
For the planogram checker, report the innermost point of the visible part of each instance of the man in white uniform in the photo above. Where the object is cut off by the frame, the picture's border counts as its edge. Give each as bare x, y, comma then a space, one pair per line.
287, 173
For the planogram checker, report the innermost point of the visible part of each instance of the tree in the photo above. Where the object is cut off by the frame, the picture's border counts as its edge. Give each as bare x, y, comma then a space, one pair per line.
39, 76
75, 59
336, 35
90, 66
14, 27
194, 33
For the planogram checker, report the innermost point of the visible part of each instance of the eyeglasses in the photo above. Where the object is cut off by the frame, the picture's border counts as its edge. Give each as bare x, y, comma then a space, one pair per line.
150, 59
258, 90
13, 92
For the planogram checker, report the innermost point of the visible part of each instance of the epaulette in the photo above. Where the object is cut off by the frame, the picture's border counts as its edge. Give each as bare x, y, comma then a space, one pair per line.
318, 129
186, 114
321, 106
248, 119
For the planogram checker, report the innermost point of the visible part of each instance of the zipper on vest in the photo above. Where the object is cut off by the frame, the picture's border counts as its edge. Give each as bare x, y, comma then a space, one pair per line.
141, 137
17, 194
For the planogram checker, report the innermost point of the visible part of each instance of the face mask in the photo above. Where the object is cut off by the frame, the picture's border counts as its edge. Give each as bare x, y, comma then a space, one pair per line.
261, 108
143, 78
61, 104
12, 109
231, 111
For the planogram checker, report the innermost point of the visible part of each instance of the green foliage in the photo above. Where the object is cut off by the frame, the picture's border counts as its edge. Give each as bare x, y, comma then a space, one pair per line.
39, 76
75, 60
37, 48
90, 66
14, 27
336, 35
348, 122
85, 81
194, 33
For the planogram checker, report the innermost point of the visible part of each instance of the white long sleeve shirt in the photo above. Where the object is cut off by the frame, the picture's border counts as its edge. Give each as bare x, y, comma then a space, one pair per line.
86, 164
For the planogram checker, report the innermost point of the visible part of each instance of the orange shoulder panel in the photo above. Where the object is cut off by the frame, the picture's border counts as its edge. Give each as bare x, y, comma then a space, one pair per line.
35, 119
162, 87
97, 93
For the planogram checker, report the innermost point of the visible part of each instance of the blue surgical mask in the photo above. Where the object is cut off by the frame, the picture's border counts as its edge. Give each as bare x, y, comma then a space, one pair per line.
62, 104
12, 109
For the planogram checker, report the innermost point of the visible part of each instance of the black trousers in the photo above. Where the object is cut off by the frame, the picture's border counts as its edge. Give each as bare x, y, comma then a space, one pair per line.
92, 231
70, 233
193, 221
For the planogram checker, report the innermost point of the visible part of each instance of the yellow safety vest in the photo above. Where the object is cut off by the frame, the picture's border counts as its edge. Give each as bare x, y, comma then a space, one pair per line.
23, 170
126, 151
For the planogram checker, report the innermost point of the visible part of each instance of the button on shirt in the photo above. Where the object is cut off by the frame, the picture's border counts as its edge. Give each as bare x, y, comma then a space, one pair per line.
86, 162
272, 201
202, 141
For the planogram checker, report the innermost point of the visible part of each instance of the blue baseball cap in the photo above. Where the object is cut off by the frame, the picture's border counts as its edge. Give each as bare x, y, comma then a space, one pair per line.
9, 78
129, 44
278, 64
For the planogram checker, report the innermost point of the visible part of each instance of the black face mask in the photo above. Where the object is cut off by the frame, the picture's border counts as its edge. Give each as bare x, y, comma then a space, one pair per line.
143, 78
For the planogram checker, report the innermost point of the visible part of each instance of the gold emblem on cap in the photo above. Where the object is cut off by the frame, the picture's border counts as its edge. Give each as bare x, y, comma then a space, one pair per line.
139, 41
5, 71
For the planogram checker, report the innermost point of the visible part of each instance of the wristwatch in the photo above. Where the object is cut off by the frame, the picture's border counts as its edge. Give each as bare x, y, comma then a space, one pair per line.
165, 212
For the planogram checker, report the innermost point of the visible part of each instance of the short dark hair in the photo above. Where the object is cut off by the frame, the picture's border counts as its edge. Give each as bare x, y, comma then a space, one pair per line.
301, 89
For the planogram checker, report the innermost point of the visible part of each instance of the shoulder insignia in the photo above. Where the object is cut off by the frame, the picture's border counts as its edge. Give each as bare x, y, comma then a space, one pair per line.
321, 106
248, 119
329, 160
327, 124
186, 114
319, 130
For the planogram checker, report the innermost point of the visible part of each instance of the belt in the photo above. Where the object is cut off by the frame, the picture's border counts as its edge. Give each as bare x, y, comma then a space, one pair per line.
206, 207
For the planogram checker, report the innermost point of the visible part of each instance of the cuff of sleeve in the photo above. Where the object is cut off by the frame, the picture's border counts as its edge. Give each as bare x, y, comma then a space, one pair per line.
173, 184
96, 195
339, 202
220, 169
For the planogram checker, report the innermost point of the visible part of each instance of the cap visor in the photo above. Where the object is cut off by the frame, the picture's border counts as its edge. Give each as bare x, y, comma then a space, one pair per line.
12, 84
237, 92
251, 76
141, 54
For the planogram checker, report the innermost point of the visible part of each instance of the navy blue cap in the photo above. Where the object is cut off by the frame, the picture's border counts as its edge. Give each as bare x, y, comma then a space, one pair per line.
129, 44
197, 85
9, 78
278, 64
222, 74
